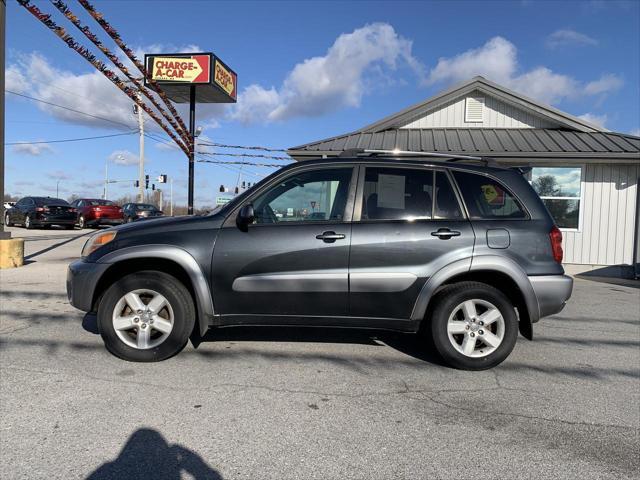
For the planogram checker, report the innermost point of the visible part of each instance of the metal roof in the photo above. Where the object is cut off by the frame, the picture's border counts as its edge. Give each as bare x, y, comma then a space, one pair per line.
494, 142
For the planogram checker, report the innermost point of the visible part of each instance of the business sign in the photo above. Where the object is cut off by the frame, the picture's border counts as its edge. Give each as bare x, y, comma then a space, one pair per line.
178, 73
192, 69
222, 200
226, 79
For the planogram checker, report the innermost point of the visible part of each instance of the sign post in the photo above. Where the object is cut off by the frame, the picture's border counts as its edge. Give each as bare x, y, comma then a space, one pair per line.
192, 78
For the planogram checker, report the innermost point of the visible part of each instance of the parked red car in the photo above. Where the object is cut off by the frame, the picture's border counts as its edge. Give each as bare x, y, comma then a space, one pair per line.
94, 212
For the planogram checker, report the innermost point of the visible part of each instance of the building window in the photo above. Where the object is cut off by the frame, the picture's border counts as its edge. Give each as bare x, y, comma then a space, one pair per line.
560, 190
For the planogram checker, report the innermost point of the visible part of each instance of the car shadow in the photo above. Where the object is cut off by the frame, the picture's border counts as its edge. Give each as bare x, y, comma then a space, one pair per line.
413, 345
147, 454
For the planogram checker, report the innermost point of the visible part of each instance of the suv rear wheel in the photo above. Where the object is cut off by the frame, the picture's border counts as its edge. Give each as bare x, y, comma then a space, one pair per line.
146, 317
473, 326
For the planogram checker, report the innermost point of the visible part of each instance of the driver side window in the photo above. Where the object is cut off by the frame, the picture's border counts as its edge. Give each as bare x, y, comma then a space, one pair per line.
312, 196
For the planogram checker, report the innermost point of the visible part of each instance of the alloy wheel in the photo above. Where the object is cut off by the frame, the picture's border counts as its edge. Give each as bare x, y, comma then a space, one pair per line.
476, 328
143, 319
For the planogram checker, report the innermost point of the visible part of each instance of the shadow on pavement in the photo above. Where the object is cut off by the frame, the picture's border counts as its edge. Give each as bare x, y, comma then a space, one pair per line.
147, 455
55, 245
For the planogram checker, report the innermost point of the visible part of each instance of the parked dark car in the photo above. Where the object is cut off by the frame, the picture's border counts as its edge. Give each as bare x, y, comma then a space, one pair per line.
465, 254
32, 212
93, 212
135, 211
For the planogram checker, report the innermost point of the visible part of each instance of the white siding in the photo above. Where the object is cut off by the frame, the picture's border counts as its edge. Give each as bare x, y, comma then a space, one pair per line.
497, 114
608, 217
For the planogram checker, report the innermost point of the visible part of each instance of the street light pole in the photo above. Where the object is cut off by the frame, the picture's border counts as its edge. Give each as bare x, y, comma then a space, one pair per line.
3, 7
57, 184
192, 150
106, 178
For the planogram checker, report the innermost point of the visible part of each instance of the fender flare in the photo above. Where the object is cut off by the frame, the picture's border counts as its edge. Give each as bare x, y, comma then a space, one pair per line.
204, 300
479, 263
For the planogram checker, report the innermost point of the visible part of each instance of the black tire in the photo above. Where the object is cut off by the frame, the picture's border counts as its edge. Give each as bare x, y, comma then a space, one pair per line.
28, 224
178, 297
7, 221
446, 302
81, 222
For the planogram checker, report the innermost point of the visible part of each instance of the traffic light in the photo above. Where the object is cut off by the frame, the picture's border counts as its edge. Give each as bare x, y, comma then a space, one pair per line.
146, 182
153, 186
237, 190
137, 184
162, 178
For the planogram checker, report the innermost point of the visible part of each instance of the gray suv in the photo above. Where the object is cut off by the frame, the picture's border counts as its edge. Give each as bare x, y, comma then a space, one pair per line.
465, 254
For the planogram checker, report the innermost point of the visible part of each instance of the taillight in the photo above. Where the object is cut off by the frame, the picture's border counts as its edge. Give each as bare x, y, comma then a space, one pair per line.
39, 209
98, 209
555, 235
73, 210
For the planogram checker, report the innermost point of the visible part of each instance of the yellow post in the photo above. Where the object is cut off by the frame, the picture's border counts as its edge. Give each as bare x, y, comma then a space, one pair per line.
11, 253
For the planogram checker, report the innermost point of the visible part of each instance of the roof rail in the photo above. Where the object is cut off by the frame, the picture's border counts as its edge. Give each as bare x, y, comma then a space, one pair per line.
450, 157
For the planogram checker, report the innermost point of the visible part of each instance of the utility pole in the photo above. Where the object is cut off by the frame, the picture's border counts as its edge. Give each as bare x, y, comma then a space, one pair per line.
171, 196
57, 184
106, 178
192, 137
3, 8
160, 200
141, 129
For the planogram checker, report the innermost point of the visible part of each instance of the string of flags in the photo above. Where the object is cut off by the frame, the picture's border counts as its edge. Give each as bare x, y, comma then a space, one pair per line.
115, 36
66, 11
60, 32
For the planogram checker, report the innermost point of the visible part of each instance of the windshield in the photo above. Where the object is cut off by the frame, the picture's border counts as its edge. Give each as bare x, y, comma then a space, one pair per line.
49, 201
145, 206
95, 203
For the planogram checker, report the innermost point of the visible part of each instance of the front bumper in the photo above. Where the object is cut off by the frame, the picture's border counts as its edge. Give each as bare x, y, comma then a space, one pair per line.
552, 292
82, 279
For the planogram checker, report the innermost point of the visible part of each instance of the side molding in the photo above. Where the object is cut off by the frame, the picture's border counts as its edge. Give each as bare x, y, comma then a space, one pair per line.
479, 263
204, 301
437, 279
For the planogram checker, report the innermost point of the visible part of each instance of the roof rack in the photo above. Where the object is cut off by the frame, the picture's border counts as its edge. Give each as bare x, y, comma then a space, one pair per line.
450, 157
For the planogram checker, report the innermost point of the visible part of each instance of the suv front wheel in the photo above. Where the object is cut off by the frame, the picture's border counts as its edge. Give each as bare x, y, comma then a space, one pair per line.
473, 326
146, 317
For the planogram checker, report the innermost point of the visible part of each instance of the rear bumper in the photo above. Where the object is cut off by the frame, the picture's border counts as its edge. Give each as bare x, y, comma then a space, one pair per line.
52, 220
552, 292
82, 279
105, 221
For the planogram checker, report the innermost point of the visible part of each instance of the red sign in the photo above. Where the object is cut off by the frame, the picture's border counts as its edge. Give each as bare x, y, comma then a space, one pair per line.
193, 69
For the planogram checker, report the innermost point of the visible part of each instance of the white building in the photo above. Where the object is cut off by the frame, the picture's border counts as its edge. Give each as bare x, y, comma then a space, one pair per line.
586, 175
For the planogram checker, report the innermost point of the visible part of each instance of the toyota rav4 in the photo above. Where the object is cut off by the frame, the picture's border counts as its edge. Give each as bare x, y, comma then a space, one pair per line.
466, 255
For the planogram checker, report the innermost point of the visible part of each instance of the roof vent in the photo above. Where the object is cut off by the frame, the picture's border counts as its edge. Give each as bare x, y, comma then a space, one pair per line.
474, 109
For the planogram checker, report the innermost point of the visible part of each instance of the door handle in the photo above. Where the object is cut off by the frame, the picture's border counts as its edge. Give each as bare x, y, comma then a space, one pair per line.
330, 237
445, 233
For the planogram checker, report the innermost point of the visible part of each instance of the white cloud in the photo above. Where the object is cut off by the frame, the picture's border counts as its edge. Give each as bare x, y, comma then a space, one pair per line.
125, 157
636, 132
33, 149
497, 60
59, 175
326, 83
599, 120
567, 37
604, 84
89, 92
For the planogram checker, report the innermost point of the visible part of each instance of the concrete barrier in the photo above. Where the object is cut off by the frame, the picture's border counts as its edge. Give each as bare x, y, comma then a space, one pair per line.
11, 253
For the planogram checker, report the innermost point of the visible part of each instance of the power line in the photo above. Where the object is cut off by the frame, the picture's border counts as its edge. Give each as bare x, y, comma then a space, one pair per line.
67, 108
242, 147
248, 155
220, 162
72, 139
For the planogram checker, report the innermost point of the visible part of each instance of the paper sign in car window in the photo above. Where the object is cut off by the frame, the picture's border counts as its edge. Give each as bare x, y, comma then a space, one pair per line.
391, 191
493, 195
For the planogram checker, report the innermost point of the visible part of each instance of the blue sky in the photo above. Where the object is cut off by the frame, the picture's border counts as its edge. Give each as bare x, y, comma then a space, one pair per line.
306, 70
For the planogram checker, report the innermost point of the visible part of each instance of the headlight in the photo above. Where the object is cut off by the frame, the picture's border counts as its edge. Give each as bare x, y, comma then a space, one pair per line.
96, 242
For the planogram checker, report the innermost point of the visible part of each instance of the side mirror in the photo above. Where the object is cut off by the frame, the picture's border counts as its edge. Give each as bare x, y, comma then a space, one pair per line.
246, 216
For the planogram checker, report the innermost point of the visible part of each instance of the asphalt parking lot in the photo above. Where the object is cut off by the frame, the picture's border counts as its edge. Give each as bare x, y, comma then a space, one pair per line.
289, 403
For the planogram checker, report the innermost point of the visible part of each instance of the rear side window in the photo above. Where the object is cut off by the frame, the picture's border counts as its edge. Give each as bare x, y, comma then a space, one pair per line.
486, 198
408, 194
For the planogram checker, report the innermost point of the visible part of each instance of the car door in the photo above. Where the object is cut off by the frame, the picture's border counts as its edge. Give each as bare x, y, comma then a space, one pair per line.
14, 212
24, 207
293, 260
408, 223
